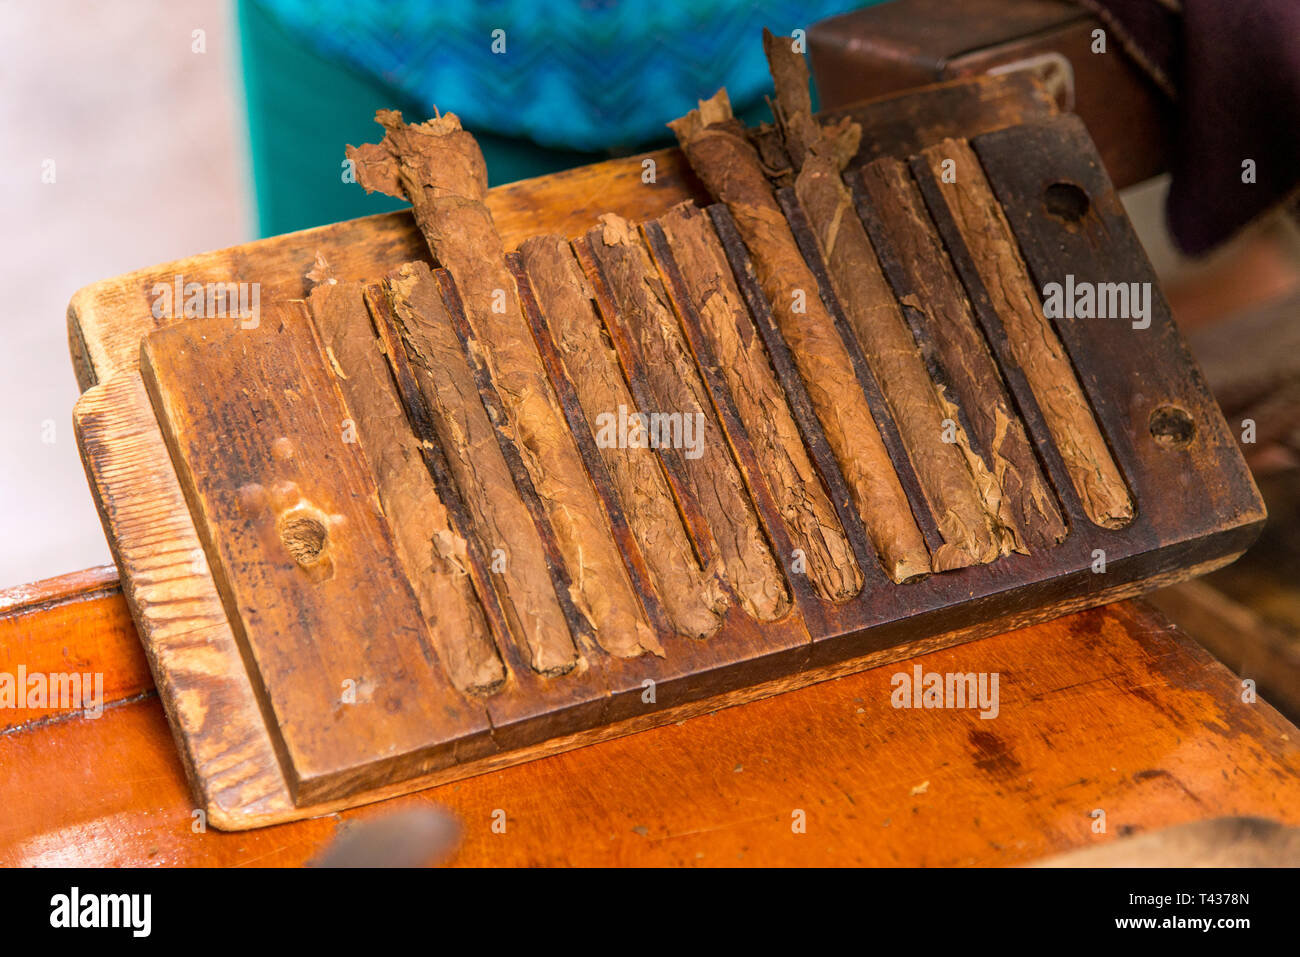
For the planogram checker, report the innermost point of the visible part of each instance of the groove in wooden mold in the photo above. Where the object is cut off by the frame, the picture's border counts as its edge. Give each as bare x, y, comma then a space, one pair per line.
650, 326
561, 576
547, 330
523, 599
637, 378
982, 247
939, 313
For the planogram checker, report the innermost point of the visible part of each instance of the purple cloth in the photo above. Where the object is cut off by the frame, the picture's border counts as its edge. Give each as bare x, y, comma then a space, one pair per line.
1232, 70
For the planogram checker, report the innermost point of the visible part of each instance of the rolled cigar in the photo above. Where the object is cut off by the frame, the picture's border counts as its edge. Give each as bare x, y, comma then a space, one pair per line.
717, 149
966, 521
505, 529
438, 166
1037, 349
761, 404
646, 315
692, 598
945, 327
432, 553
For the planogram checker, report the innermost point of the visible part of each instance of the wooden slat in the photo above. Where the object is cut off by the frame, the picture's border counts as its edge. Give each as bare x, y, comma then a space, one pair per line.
1112, 708
225, 746
1147, 427
332, 636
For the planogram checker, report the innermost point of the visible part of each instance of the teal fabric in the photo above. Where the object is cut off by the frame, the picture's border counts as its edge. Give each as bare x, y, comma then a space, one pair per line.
578, 81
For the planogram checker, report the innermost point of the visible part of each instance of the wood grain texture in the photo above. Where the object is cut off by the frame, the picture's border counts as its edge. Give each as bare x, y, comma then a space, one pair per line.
333, 639
1111, 708
224, 745
58, 626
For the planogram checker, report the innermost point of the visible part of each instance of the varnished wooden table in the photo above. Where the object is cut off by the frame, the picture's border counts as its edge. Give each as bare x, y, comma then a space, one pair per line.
1112, 709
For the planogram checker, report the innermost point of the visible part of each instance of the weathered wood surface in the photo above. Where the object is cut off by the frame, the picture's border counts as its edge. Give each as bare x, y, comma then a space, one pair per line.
286, 507
606, 695
1165, 430
1111, 708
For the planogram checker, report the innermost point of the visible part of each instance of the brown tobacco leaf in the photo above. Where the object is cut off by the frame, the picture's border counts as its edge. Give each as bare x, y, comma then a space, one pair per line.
438, 166
468, 441
719, 152
1038, 351
431, 553
691, 597
965, 519
675, 384
761, 404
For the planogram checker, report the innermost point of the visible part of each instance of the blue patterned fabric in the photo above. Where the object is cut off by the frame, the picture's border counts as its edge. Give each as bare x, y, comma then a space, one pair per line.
575, 74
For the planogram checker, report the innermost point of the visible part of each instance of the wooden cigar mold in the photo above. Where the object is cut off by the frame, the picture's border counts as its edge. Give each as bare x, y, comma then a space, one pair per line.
413, 523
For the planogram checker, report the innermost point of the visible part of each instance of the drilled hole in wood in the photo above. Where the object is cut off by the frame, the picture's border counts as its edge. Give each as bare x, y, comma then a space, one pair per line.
1066, 202
1172, 427
305, 536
